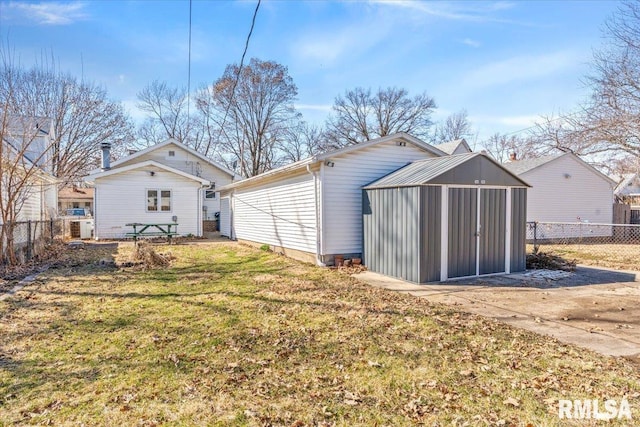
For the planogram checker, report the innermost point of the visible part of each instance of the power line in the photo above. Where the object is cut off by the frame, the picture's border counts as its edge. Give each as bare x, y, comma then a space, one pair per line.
235, 83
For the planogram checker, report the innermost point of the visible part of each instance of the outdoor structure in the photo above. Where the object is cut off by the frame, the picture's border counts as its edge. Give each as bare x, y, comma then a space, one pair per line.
165, 183
457, 146
628, 191
312, 209
72, 198
25, 151
566, 189
443, 218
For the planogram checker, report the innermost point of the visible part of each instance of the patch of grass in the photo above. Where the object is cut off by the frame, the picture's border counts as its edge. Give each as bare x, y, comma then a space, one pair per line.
623, 257
231, 335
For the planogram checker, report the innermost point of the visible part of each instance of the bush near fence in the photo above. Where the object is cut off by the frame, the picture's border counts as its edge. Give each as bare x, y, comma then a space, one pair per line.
30, 238
609, 245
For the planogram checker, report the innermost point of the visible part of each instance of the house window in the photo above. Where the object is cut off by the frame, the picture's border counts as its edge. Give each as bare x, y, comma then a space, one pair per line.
158, 200
75, 205
210, 193
87, 204
172, 153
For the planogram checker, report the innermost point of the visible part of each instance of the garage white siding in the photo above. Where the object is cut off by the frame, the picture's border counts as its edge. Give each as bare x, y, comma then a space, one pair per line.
281, 213
342, 191
225, 217
566, 190
121, 199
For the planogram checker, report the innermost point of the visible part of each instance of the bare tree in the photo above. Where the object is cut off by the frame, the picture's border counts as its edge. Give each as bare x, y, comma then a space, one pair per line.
252, 109
607, 126
360, 115
83, 116
455, 126
502, 146
303, 140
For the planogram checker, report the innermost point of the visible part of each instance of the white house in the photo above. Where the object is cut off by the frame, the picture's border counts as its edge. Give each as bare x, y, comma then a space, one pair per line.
165, 183
457, 146
312, 209
566, 189
26, 143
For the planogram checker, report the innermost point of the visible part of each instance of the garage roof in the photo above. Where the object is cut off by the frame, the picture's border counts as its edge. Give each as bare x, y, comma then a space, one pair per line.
461, 169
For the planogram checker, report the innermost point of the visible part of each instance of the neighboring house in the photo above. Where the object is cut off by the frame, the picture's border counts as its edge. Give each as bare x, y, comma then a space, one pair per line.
566, 189
628, 191
30, 139
312, 209
166, 183
75, 198
457, 146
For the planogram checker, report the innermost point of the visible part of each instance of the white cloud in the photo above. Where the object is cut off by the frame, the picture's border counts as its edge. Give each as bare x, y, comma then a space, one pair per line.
314, 107
460, 11
48, 13
471, 42
331, 45
520, 68
520, 122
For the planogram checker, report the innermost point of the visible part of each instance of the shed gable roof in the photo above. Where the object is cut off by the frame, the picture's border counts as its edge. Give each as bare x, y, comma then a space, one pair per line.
629, 186
462, 169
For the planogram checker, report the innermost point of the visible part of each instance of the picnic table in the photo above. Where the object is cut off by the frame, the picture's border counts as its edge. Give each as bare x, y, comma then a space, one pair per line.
148, 230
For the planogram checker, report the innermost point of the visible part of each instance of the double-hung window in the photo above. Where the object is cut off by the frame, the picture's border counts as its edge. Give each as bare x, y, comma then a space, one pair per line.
158, 200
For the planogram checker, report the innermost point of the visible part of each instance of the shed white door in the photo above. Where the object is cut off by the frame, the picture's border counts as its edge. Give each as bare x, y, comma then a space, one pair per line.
477, 231
225, 217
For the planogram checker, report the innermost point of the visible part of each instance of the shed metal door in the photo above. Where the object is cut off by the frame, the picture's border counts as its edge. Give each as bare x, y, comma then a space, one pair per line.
477, 231
463, 241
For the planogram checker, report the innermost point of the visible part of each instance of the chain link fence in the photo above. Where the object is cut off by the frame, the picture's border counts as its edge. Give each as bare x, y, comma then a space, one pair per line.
611, 245
27, 239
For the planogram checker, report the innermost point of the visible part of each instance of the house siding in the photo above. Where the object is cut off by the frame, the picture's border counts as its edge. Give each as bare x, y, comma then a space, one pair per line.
583, 197
187, 162
225, 217
342, 191
113, 213
282, 214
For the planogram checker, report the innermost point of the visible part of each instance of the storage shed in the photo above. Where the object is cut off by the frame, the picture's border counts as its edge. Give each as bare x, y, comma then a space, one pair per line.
446, 217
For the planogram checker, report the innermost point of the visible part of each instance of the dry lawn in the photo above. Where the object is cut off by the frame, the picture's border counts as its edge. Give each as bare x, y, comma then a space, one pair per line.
230, 335
622, 257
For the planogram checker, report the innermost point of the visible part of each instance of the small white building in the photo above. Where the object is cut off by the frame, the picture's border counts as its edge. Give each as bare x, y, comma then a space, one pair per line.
566, 189
165, 183
312, 209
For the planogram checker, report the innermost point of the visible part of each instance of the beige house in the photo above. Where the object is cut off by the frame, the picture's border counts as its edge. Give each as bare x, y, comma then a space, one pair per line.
75, 198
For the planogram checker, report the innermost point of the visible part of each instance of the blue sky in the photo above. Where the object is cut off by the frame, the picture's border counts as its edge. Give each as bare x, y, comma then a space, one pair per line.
505, 62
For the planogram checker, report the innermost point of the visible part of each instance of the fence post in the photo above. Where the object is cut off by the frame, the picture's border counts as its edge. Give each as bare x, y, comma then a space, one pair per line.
29, 239
536, 247
51, 228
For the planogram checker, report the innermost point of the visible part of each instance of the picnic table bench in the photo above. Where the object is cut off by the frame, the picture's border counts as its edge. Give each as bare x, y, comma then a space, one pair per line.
149, 230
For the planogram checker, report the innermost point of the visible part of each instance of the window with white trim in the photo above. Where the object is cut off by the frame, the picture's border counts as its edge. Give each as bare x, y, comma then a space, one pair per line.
210, 193
158, 200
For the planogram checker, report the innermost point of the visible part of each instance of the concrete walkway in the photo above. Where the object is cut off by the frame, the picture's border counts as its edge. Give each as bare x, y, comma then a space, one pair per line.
592, 307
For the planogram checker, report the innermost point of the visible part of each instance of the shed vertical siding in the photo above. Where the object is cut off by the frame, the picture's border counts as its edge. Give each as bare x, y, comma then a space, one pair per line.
121, 199
462, 232
225, 217
281, 214
493, 204
518, 229
392, 226
342, 190
430, 234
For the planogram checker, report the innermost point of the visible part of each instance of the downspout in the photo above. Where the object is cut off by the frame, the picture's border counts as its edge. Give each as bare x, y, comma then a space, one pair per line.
318, 228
